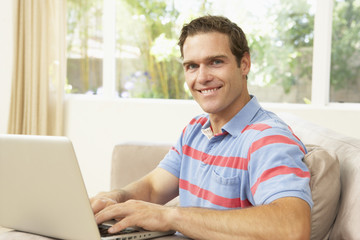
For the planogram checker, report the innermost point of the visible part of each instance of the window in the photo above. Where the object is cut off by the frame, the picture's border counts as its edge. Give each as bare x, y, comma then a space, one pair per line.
84, 46
143, 59
280, 35
345, 52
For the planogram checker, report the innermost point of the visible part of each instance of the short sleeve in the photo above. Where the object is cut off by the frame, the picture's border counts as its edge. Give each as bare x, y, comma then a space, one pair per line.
172, 160
276, 167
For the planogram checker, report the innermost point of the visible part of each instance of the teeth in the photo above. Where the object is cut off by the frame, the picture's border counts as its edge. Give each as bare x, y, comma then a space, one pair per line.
209, 90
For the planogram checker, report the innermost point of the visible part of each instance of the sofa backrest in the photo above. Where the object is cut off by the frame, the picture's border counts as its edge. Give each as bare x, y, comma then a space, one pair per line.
347, 149
128, 161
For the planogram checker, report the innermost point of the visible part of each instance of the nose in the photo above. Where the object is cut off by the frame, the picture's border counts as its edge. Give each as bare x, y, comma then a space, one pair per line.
204, 74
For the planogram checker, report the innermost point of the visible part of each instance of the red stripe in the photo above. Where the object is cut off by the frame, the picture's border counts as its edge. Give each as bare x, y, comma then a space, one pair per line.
230, 162
258, 126
277, 171
293, 133
221, 134
201, 120
273, 139
213, 198
183, 132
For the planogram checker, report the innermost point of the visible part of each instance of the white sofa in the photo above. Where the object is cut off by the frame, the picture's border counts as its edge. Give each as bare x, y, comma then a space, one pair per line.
333, 160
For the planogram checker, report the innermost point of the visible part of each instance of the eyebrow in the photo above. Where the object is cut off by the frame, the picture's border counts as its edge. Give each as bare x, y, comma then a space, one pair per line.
206, 59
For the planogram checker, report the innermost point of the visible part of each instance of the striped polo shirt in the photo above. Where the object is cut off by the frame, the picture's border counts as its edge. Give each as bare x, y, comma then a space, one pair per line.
254, 161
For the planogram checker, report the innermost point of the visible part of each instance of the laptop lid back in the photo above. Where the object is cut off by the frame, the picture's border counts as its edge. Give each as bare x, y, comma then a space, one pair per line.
42, 190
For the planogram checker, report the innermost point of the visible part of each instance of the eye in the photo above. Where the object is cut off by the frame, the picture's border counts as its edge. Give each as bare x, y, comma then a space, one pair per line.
217, 61
191, 66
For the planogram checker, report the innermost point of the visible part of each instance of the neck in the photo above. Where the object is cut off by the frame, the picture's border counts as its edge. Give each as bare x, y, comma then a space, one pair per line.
218, 120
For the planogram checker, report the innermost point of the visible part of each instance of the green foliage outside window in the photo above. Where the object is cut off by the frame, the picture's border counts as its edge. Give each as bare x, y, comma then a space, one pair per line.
161, 73
281, 56
84, 29
345, 54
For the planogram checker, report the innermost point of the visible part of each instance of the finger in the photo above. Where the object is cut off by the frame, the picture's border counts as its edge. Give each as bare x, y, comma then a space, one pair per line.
97, 206
120, 225
111, 212
101, 203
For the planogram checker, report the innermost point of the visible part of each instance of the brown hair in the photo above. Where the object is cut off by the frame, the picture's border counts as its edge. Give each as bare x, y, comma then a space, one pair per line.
205, 24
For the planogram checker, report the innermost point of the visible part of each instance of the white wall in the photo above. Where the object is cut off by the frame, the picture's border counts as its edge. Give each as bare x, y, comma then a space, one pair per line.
6, 59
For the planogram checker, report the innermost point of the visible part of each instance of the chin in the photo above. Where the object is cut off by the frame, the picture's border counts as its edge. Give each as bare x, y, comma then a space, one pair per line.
209, 109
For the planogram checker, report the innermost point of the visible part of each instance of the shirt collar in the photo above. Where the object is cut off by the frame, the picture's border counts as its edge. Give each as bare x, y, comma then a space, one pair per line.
238, 122
207, 129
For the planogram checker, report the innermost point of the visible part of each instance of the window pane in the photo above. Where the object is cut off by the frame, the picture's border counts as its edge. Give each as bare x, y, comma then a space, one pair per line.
84, 46
280, 35
148, 58
345, 54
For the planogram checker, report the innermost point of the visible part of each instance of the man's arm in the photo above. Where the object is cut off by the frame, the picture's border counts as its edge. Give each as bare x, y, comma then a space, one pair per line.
285, 218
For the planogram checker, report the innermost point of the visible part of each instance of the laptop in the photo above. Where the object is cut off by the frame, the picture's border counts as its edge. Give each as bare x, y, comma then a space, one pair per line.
42, 191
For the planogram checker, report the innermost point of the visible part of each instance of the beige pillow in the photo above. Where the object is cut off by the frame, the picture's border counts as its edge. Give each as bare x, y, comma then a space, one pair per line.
325, 188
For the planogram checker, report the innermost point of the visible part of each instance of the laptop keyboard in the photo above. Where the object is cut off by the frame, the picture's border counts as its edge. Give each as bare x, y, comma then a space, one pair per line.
104, 231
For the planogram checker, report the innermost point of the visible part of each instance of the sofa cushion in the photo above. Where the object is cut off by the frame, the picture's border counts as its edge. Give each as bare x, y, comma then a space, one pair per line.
133, 160
325, 188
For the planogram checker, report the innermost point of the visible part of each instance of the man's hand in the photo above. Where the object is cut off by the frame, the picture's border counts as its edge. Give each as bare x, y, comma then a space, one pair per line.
105, 199
157, 187
147, 215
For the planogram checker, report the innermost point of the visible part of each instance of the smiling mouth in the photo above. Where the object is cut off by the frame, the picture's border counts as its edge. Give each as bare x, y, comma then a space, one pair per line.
208, 91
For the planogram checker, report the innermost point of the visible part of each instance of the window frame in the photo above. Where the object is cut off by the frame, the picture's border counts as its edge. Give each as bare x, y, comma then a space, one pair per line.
109, 60
320, 89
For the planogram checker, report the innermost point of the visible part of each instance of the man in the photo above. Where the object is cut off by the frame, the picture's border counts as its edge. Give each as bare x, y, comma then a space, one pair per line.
238, 169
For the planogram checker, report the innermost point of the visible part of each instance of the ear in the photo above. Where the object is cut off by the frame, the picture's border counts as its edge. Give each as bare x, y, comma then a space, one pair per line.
245, 64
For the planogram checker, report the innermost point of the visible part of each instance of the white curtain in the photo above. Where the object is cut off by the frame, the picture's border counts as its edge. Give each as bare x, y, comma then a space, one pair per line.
39, 68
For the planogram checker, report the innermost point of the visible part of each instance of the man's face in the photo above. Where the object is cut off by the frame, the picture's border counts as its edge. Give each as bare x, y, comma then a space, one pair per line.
213, 76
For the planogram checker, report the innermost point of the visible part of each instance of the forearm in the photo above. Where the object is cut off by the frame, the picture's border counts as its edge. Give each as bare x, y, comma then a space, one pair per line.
139, 190
263, 222
159, 186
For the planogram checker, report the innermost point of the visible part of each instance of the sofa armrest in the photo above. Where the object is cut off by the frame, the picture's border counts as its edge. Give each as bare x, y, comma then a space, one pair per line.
133, 160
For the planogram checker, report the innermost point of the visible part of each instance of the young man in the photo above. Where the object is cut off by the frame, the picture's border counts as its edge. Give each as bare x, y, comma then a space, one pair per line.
238, 169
